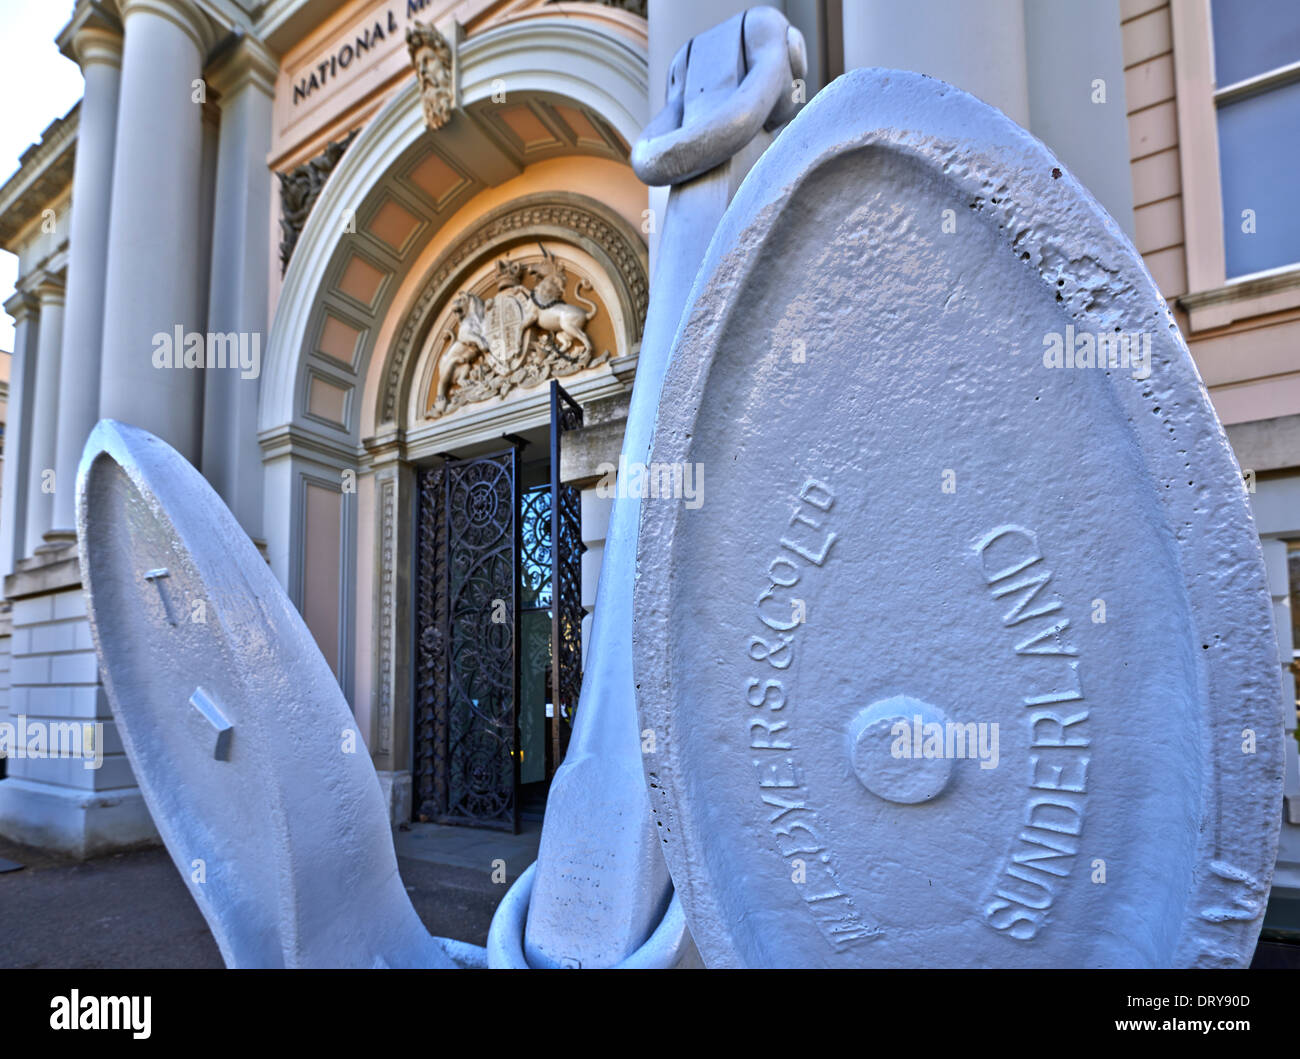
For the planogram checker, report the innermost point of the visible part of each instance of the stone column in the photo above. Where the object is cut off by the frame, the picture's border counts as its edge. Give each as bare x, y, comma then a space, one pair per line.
43, 433
1008, 52
17, 446
155, 225
99, 51
1077, 96
240, 278
977, 45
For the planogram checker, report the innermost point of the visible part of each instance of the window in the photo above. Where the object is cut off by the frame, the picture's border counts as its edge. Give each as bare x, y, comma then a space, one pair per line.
1257, 100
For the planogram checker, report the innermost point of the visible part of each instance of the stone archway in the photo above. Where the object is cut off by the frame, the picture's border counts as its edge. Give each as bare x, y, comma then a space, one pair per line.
601, 246
570, 219
336, 482
564, 57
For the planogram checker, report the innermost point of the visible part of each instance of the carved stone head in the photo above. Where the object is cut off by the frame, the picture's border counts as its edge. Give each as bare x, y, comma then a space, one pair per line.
431, 57
509, 274
551, 279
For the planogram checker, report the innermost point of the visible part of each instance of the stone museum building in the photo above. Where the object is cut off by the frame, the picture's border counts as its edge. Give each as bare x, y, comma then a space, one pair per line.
380, 268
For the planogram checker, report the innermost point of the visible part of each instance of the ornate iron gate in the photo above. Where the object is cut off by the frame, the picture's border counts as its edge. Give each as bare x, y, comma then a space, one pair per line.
469, 579
471, 570
430, 707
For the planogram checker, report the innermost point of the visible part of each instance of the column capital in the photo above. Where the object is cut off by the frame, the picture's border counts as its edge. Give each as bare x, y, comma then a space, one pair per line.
97, 44
50, 290
246, 61
181, 13
22, 304
90, 34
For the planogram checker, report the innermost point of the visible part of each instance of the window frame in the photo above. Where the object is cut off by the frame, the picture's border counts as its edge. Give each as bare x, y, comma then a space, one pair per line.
1213, 299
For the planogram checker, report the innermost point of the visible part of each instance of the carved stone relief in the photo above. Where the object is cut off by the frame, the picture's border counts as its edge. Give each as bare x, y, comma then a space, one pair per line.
299, 190
636, 7
583, 222
431, 56
519, 336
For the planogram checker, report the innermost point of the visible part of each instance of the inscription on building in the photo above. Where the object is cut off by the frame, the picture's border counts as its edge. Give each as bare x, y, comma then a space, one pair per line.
357, 49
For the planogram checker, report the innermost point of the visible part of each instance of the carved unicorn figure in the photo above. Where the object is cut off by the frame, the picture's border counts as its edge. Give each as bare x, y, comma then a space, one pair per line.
566, 322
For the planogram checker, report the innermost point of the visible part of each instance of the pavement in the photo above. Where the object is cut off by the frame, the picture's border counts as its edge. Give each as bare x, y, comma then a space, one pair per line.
132, 910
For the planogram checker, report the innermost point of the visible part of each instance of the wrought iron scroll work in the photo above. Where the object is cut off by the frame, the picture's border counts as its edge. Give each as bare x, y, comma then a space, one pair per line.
430, 647
566, 579
482, 634
535, 560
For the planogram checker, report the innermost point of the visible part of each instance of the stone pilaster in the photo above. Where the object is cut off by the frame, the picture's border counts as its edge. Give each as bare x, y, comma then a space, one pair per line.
244, 79
389, 499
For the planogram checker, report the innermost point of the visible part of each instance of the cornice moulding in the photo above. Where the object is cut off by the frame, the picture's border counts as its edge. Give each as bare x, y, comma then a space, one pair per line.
248, 61
88, 15
44, 172
1242, 299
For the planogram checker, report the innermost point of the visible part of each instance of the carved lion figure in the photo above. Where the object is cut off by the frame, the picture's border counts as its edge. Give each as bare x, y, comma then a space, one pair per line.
470, 341
518, 337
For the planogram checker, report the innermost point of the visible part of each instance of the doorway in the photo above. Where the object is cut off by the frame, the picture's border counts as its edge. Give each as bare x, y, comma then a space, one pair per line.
498, 628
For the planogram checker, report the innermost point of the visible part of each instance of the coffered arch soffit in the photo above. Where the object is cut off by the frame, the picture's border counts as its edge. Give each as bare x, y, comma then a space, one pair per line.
572, 89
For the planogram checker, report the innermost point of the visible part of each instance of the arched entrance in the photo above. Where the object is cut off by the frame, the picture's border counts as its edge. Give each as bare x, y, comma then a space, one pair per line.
532, 164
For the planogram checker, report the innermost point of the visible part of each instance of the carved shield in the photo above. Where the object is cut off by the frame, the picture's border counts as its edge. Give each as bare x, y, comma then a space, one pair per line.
504, 327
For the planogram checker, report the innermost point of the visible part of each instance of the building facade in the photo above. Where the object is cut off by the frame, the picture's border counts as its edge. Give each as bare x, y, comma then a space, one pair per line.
379, 269
1213, 96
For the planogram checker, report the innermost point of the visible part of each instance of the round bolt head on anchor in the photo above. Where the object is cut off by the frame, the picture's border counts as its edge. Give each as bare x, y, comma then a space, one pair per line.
888, 752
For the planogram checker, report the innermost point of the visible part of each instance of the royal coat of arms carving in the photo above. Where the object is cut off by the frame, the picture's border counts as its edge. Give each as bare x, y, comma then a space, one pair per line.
519, 337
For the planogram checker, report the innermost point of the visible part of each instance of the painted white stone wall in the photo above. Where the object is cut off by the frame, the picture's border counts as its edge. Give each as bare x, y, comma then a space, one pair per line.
1275, 505
59, 803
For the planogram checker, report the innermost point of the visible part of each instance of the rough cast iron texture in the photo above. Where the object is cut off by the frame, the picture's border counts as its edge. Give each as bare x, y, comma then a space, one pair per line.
913, 520
243, 745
